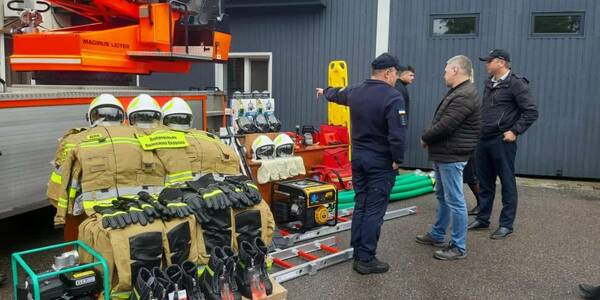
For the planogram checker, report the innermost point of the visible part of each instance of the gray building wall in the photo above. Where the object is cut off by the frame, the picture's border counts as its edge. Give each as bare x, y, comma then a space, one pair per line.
562, 70
302, 46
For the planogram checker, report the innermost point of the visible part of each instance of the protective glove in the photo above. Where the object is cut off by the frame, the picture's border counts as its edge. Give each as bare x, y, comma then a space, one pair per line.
236, 195
151, 206
198, 205
247, 186
202, 182
214, 197
172, 199
113, 217
133, 208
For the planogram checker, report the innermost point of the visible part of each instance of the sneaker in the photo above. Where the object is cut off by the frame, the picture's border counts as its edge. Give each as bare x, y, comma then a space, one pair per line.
451, 252
374, 266
427, 239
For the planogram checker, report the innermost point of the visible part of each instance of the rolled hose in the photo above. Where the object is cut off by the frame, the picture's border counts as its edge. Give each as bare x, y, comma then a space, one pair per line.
411, 179
395, 197
348, 196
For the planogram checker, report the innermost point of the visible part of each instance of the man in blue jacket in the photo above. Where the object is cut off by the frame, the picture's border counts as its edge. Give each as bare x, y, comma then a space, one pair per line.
507, 110
378, 134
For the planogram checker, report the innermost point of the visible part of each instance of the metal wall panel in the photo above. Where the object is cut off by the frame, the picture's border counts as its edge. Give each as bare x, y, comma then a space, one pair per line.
561, 70
29, 140
302, 46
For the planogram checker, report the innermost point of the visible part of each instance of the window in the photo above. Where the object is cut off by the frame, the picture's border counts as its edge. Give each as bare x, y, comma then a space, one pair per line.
454, 25
557, 23
245, 72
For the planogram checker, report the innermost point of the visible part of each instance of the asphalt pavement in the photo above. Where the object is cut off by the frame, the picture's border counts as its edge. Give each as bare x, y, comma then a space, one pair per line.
555, 246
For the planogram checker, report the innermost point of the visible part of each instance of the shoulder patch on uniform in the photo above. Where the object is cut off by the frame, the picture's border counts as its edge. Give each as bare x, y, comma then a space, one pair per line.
94, 137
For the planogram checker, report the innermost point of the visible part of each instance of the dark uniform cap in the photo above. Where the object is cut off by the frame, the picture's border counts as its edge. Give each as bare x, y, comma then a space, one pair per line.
497, 53
385, 61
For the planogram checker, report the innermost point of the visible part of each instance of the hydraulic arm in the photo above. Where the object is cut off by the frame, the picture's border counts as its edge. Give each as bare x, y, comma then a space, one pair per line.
136, 36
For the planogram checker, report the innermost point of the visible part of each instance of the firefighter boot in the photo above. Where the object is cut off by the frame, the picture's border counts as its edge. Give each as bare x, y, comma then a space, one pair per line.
231, 260
249, 276
190, 280
215, 278
261, 261
162, 279
146, 287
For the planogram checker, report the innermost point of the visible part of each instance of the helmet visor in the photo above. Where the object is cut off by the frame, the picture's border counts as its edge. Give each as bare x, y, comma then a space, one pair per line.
107, 114
265, 151
261, 123
178, 119
285, 150
144, 116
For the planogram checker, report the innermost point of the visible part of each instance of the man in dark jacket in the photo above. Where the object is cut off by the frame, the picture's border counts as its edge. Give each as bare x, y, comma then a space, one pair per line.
407, 76
508, 110
378, 121
450, 140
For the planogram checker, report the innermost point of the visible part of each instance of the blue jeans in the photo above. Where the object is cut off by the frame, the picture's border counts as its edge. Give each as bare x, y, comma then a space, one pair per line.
451, 203
372, 179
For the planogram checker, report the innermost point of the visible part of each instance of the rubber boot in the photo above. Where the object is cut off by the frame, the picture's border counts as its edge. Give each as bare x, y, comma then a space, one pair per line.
146, 287
190, 280
261, 261
249, 278
162, 279
175, 275
215, 279
231, 261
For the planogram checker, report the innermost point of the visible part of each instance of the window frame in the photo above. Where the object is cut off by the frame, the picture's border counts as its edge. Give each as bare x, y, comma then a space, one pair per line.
432, 17
247, 56
532, 32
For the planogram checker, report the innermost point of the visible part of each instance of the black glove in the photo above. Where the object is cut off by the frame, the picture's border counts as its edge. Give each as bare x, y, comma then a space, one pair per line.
247, 186
198, 205
202, 182
135, 211
214, 197
237, 197
172, 199
145, 203
113, 217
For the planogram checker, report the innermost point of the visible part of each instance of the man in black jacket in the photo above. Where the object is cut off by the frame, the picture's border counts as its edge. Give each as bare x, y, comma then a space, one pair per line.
508, 110
407, 76
378, 121
451, 139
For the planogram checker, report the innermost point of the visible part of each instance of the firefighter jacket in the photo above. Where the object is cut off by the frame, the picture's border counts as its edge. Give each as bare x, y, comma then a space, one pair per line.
207, 154
108, 163
67, 142
170, 147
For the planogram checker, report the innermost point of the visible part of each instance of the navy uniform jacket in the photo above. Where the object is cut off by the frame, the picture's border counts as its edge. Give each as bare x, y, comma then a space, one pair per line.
377, 116
401, 87
507, 106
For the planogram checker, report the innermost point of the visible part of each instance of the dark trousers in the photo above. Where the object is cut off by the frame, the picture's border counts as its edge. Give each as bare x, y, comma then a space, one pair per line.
496, 158
372, 179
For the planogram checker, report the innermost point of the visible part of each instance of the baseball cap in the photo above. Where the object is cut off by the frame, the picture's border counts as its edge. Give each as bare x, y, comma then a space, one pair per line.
385, 61
497, 53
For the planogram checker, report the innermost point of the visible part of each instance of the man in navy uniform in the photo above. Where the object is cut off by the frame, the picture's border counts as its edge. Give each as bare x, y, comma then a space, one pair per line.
507, 110
378, 134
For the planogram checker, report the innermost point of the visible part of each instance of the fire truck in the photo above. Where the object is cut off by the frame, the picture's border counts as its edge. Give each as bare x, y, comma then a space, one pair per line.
135, 37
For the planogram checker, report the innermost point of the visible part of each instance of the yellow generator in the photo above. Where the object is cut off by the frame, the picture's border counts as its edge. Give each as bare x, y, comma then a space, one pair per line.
303, 204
